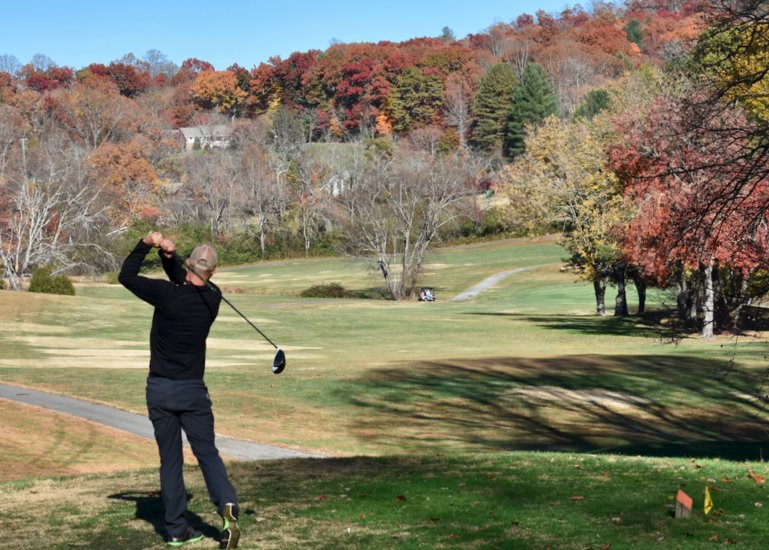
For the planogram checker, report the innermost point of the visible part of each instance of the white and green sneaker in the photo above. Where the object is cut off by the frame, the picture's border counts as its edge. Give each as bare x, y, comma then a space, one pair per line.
230, 530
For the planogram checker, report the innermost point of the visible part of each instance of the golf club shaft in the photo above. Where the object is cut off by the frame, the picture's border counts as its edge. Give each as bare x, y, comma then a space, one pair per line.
236, 310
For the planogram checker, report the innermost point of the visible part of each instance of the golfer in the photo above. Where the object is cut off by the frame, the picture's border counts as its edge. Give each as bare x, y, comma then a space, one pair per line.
177, 397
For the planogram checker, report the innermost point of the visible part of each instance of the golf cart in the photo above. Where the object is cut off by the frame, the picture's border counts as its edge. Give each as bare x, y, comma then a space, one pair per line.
426, 294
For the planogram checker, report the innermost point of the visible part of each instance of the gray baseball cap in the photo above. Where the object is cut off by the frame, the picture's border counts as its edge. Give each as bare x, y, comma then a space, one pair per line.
203, 259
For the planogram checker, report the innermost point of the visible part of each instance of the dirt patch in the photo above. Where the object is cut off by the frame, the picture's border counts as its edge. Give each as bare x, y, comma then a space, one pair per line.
98, 352
16, 327
245, 345
61, 342
554, 394
106, 361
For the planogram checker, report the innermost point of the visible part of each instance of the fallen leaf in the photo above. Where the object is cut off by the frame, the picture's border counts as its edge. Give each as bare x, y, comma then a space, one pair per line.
715, 538
757, 478
322, 497
577, 498
400, 498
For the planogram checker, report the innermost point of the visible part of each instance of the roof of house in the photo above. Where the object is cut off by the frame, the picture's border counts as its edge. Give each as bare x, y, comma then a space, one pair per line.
205, 131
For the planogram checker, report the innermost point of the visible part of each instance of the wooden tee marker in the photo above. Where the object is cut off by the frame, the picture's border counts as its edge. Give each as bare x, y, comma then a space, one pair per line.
683, 505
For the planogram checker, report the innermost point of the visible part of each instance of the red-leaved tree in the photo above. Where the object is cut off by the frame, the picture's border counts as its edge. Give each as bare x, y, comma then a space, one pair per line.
692, 225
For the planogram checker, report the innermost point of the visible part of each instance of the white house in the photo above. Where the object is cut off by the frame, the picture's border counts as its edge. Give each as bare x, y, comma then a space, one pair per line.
206, 136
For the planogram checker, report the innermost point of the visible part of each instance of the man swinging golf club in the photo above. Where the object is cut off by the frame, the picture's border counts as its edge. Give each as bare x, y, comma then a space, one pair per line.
185, 308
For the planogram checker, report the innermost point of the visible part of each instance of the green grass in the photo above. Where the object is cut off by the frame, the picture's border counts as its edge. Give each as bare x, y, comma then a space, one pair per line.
489, 500
356, 367
434, 394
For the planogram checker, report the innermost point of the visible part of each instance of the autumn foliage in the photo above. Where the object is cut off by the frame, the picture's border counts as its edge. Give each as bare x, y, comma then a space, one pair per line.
650, 196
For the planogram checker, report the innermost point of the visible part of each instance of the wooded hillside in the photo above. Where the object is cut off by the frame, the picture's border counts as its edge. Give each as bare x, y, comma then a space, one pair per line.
635, 130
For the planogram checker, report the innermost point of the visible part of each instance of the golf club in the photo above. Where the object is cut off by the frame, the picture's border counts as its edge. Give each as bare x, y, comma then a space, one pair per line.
279, 361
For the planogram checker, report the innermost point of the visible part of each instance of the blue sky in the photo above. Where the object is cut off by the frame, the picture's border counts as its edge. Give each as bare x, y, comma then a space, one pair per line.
222, 32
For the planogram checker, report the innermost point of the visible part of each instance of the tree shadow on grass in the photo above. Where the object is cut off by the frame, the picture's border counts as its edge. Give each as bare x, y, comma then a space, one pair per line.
149, 508
647, 325
650, 405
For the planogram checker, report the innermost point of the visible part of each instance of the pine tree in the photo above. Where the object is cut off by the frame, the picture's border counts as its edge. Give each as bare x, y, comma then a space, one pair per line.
533, 101
595, 101
490, 107
634, 32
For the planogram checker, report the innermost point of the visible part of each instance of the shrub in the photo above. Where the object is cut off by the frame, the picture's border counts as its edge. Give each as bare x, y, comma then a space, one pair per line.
3, 284
331, 290
43, 281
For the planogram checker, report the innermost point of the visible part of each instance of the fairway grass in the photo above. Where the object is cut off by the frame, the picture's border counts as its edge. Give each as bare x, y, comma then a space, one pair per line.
524, 365
423, 396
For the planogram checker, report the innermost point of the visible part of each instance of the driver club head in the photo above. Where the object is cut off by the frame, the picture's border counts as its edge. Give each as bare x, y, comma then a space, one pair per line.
279, 362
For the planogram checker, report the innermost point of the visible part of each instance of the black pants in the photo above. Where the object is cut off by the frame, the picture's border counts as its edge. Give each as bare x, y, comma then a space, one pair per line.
173, 405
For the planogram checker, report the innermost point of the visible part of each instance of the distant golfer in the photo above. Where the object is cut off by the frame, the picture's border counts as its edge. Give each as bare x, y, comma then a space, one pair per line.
177, 396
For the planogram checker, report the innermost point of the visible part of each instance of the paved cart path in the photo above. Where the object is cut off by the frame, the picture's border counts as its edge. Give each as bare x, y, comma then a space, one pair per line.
489, 282
138, 424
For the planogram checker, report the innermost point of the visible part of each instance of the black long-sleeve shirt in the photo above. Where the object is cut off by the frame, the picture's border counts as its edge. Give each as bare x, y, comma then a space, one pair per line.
183, 316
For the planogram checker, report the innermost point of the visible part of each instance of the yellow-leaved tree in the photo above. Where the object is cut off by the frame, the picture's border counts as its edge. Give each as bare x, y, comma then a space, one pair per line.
561, 183
734, 58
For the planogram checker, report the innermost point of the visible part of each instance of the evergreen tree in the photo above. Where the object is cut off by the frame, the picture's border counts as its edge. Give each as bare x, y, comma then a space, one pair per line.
533, 101
595, 101
634, 32
490, 107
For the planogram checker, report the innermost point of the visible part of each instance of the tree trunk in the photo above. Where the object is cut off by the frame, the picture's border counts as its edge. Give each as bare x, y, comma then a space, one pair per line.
681, 296
620, 303
709, 306
262, 240
724, 298
687, 300
640, 286
737, 314
390, 284
599, 286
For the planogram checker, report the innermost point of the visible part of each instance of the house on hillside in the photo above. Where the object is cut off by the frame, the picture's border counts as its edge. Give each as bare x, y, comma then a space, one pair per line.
201, 137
